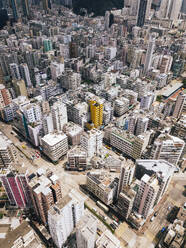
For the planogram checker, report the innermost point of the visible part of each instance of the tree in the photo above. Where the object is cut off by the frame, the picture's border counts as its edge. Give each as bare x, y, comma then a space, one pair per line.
184, 83
159, 98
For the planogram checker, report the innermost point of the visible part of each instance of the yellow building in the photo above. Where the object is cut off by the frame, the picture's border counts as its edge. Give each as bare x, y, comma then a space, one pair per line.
96, 111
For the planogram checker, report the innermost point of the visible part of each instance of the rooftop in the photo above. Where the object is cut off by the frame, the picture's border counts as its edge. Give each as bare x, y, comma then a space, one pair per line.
53, 139
160, 167
171, 88
20, 231
107, 240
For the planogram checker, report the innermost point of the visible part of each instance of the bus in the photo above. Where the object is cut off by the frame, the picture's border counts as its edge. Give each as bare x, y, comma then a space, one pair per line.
102, 206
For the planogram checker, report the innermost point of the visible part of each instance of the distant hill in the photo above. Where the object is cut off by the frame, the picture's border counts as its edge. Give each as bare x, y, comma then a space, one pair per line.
97, 6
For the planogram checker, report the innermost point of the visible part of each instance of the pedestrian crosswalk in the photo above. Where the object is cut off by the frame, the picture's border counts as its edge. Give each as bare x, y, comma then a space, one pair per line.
160, 221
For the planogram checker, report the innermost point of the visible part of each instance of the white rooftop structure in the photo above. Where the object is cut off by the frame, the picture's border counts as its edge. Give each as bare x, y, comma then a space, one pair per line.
161, 167
53, 139
170, 89
107, 240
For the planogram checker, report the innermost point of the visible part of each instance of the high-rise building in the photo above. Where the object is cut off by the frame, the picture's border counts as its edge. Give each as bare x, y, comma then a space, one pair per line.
1, 4
54, 145
96, 111
13, 4
168, 148
175, 9
126, 175
70, 80
126, 143
56, 69
125, 201
142, 125
180, 104
121, 106
45, 4
47, 45
45, 190
142, 12
107, 20
5, 97
14, 70
64, 216
73, 132
92, 141
25, 7
59, 115
16, 188
77, 159
19, 87
149, 54
170, 9
86, 231
183, 8
32, 112
163, 170
147, 100
47, 123
25, 74
8, 154
103, 186
132, 124
146, 195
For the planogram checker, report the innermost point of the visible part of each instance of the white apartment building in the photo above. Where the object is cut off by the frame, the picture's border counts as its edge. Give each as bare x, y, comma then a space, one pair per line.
54, 145
77, 158
56, 69
86, 231
64, 51
92, 142
102, 186
125, 201
110, 52
14, 70
163, 170
180, 105
25, 74
126, 175
59, 115
141, 126
32, 112
90, 51
132, 124
8, 154
168, 148
146, 195
121, 106
126, 143
64, 215
149, 54
47, 123
146, 101
70, 80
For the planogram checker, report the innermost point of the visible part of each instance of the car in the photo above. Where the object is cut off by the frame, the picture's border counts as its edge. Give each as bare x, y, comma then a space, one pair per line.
152, 218
95, 210
21, 155
155, 214
169, 208
105, 218
163, 229
113, 226
37, 155
184, 206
